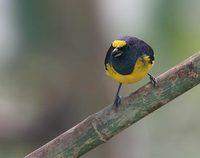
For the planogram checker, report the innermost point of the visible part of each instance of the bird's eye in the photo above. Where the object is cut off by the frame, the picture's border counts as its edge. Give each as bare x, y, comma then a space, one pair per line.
127, 47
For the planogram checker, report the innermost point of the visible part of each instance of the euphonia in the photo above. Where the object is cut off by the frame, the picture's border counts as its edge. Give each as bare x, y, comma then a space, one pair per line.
129, 60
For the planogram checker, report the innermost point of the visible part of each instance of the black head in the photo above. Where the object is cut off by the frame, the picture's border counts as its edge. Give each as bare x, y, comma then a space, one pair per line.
120, 57
118, 48
123, 53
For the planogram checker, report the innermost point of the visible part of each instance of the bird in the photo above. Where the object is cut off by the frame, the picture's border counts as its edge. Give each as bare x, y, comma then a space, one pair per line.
128, 60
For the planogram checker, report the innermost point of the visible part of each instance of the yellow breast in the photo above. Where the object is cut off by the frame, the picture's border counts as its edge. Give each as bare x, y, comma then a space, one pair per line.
141, 68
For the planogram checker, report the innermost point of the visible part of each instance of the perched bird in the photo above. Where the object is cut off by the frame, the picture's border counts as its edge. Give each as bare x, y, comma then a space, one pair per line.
129, 60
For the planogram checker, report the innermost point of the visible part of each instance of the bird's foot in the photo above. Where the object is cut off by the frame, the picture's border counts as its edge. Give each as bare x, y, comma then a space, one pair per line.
153, 80
117, 101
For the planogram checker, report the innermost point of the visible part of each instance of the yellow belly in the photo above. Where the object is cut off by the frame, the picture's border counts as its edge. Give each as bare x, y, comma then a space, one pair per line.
141, 68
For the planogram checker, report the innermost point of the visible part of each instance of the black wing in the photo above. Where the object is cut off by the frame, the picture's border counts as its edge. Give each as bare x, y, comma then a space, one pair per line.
141, 47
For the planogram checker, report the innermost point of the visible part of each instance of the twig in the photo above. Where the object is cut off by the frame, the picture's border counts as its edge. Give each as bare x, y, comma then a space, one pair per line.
103, 125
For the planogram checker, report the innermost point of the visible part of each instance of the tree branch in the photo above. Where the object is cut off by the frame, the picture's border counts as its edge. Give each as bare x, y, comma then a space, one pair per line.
103, 125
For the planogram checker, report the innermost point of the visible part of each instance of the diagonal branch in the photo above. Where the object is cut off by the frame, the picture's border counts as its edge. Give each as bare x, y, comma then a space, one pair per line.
103, 125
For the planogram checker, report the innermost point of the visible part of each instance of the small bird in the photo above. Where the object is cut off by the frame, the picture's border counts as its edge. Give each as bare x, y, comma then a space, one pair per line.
127, 61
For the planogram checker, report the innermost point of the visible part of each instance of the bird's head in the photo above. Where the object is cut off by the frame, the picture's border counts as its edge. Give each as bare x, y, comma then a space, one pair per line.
118, 48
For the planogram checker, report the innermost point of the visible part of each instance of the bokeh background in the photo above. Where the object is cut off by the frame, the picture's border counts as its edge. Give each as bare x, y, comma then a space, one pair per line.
52, 74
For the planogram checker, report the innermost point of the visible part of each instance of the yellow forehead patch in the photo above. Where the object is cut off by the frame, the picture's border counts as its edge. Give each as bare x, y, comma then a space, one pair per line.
118, 43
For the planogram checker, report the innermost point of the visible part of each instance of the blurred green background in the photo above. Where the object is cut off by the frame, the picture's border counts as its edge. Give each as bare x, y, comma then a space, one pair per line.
52, 74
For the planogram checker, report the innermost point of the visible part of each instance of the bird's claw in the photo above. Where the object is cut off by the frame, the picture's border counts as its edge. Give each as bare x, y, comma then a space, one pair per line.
153, 80
117, 101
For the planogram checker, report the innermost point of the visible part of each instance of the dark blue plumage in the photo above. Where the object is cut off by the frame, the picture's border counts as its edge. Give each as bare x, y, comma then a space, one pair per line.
134, 49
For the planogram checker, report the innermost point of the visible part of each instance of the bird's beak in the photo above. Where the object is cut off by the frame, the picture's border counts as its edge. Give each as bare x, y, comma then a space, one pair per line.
116, 52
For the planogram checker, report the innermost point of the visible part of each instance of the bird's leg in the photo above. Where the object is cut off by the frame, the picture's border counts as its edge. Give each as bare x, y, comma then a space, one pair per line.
153, 79
117, 97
